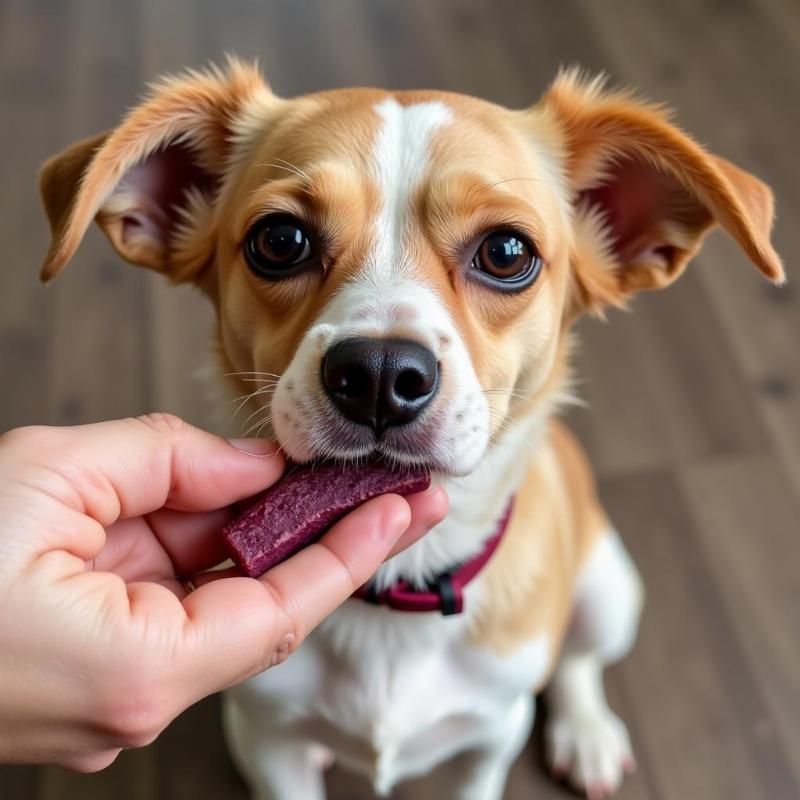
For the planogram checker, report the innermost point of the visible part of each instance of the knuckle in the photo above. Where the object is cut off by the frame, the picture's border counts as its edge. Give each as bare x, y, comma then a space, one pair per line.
91, 763
135, 712
135, 724
287, 637
285, 646
162, 422
30, 438
343, 566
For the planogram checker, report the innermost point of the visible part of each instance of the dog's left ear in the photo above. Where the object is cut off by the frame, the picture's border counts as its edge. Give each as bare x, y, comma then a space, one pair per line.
151, 182
645, 193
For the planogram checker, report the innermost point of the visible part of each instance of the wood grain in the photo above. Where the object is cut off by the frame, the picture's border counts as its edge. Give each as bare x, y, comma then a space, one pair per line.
693, 418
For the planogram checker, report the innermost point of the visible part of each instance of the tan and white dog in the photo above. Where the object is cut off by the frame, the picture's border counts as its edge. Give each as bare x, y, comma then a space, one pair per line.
407, 267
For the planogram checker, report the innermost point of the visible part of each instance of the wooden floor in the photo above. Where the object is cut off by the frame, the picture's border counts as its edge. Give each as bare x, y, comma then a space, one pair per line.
693, 417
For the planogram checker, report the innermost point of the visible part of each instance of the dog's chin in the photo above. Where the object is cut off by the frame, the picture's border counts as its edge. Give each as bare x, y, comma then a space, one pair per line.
377, 451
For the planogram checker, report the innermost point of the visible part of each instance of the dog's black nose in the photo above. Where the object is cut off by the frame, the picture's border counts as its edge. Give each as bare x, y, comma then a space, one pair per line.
380, 382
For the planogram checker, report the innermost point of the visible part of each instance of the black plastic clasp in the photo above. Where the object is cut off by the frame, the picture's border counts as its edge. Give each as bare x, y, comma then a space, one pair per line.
372, 596
450, 595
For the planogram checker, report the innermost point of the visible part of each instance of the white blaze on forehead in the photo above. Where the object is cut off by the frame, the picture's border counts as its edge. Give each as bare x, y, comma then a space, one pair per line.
399, 161
388, 297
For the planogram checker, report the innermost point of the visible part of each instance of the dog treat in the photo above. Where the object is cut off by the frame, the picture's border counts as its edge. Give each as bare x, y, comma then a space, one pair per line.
302, 506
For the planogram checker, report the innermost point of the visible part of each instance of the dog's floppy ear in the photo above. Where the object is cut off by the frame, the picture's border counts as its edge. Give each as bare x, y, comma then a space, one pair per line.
645, 193
150, 183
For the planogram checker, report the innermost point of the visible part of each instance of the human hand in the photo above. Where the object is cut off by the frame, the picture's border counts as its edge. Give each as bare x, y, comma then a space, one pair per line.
100, 644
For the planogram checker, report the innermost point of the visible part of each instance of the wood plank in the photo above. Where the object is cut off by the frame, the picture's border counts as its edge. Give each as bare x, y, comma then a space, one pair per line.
747, 517
393, 30
30, 101
710, 83
29, 96
662, 386
130, 777
540, 40
19, 782
475, 59
98, 338
696, 705
762, 322
192, 758
785, 14
359, 63
285, 38
695, 410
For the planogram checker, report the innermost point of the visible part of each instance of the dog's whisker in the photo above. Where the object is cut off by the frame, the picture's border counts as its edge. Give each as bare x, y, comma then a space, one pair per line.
255, 413
505, 425
251, 396
509, 180
254, 393
475, 187
242, 401
508, 392
289, 168
260, 429
241, 405
300, 171
258, 423
251, 373
261, 390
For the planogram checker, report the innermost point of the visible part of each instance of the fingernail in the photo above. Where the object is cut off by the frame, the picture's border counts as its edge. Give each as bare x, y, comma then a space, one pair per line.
261, 448
432, 488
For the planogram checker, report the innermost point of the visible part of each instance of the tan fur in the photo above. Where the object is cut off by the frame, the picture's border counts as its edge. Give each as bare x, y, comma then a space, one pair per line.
600, 127
195, 109
529, 582
493, 168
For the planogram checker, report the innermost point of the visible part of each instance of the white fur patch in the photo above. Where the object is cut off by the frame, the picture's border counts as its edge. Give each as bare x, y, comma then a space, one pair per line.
399, 162
388, 299
608, 600
409, 706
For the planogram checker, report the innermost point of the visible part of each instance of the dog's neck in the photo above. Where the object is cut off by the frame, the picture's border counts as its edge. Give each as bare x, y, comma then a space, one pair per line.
477, 501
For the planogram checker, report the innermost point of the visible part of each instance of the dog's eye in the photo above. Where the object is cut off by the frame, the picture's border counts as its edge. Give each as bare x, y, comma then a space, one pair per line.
507, 261
277, 246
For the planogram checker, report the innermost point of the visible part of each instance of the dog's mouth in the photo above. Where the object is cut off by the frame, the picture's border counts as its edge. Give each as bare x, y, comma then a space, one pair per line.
395, 449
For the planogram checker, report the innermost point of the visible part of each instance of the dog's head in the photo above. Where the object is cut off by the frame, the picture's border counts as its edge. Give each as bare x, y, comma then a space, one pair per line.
400, 268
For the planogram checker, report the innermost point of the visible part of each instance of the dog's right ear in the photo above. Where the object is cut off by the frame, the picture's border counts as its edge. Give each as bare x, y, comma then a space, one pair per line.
151, 182
645, 194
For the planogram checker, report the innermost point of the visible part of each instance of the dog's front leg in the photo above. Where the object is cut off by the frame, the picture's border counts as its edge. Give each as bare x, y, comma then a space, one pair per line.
481, 772
276, 767
486, 780
586, 741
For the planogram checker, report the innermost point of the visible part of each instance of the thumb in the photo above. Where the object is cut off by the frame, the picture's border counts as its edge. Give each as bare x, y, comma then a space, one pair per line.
241, 626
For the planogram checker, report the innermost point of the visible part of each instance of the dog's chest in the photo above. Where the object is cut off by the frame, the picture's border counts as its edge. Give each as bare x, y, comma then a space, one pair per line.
393, 696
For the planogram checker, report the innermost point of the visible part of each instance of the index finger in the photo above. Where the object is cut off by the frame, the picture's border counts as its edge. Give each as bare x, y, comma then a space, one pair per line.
126, 468
241, 626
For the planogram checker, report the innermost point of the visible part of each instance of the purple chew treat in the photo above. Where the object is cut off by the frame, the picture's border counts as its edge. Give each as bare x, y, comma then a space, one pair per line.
302, 506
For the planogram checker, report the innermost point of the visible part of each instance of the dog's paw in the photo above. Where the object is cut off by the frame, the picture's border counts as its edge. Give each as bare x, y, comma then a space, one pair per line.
592, 751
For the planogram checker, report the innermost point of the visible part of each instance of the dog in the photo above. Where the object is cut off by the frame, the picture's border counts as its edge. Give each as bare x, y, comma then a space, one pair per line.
403, 270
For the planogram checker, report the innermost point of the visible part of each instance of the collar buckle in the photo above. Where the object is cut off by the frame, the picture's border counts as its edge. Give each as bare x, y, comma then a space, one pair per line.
451, 595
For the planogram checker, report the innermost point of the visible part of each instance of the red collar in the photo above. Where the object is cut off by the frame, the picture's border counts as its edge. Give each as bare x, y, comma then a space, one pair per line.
446, 592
